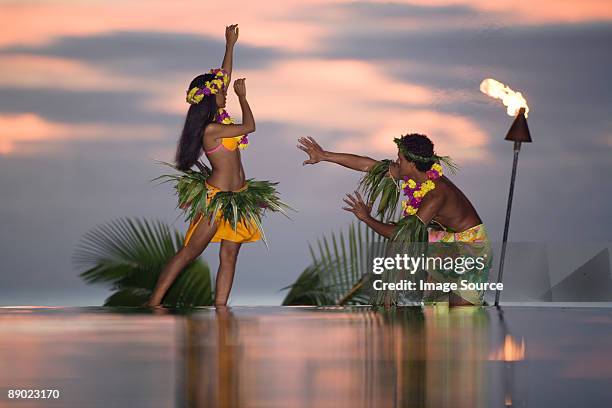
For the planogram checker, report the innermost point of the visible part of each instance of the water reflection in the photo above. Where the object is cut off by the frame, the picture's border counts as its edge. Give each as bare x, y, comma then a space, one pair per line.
308, 357
323, 358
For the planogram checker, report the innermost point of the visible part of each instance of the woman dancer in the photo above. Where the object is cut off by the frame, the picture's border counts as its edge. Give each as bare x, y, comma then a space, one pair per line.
227, 208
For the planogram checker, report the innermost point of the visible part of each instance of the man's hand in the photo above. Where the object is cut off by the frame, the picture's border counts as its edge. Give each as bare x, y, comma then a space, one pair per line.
312, 149
357, 206
231, 34
240, 87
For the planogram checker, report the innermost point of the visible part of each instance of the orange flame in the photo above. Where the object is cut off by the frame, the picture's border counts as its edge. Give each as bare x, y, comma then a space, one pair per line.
512, 100
511, 350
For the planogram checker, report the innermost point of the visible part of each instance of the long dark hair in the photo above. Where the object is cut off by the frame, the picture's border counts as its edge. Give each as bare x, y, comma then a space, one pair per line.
198, 117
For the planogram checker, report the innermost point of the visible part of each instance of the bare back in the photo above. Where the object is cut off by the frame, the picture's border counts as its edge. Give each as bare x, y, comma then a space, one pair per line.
456, 211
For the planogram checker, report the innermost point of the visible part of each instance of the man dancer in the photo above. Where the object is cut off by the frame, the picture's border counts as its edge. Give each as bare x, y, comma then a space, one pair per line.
430, 197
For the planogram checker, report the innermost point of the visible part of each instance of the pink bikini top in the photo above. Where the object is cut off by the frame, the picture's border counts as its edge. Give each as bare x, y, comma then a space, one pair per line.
214, 149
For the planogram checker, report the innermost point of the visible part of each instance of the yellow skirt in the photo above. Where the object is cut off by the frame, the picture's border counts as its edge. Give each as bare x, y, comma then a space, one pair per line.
244, 232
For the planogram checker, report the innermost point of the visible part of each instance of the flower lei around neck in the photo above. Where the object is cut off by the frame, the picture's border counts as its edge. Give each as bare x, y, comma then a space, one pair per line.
212, 87
415, 191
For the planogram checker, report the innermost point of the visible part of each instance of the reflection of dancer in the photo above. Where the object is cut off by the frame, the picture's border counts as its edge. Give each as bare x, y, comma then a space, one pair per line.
429, 197
221, 194
214, 360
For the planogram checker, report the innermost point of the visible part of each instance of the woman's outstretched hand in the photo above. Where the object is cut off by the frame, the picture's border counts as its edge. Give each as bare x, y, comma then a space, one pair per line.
240, 87
312, 149
231, 34
357, 206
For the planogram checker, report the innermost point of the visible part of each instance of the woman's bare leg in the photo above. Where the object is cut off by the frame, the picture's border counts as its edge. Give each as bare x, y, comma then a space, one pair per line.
228, 256
199, 240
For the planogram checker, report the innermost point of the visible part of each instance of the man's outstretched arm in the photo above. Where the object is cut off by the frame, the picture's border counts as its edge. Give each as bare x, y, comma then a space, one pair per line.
316, 154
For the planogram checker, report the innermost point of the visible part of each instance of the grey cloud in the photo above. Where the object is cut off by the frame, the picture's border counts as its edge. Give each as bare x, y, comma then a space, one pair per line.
563, 70
83, 106
562, 58
395, 10
150, 53
138, 54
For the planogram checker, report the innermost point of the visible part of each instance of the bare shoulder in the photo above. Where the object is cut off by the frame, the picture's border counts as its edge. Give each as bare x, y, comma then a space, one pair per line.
209, 140
211, 130
439, 193
446, 186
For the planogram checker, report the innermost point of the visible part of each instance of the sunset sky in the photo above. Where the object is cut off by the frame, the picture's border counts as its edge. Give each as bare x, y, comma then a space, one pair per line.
93, 92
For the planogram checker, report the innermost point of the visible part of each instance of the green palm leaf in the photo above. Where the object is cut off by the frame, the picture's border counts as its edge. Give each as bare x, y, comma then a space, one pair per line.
337, 273
340, 272
128, 255
377, 185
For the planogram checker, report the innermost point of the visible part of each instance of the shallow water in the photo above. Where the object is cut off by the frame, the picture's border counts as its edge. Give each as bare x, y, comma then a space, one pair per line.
308, 357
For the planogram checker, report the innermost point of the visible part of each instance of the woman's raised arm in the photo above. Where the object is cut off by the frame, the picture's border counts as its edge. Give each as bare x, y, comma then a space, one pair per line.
220, 131
231, 36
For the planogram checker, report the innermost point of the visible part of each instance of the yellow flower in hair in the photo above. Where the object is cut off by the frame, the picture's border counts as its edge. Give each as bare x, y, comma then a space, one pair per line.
192, 98
437, 167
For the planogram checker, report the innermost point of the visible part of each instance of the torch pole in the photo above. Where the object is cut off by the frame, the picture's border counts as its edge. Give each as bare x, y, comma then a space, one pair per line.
517, 149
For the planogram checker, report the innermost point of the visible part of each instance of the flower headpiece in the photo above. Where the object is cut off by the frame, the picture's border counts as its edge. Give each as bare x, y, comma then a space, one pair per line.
212, 87
446, 160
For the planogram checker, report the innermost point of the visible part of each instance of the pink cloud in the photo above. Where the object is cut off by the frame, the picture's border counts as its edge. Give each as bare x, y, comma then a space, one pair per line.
323, 92
38, 23
350, 96
453, 135
28, 133
267, 24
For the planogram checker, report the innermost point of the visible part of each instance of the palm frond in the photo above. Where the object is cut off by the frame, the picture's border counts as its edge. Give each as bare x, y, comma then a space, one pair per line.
127, 255
308, 290
452, 167
376, 184
340, 272
128, 297
337, 271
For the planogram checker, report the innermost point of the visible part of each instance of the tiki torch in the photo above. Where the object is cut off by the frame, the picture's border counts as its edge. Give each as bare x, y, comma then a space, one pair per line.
518, 133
